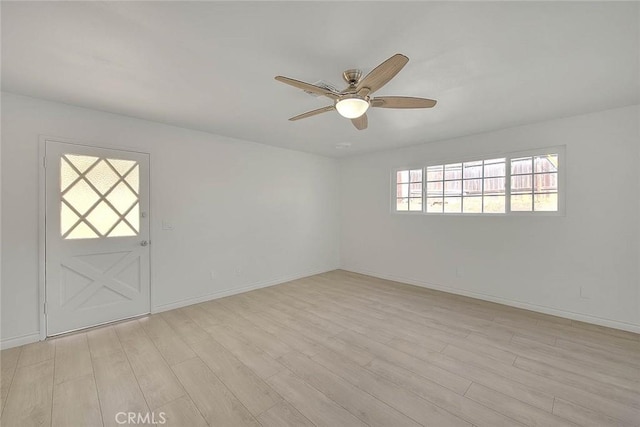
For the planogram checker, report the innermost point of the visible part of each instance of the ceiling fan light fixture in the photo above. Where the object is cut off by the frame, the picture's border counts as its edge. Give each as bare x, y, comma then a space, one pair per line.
352, 107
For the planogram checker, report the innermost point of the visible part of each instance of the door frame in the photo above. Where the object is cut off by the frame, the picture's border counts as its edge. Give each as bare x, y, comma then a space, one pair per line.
42, 221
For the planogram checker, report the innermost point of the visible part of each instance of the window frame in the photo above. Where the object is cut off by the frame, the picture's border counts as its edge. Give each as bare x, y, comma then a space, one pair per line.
560, 150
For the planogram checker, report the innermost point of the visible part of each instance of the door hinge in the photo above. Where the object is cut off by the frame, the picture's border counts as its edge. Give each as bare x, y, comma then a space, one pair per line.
44, 162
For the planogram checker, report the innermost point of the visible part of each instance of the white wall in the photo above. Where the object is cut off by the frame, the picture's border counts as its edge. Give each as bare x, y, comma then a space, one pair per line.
269, 212
534, 262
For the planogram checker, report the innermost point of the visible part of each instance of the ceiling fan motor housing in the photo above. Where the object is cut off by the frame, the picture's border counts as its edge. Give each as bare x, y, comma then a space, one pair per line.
352, 76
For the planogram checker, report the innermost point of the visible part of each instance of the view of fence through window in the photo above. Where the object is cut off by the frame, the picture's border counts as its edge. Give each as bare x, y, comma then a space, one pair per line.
488, 186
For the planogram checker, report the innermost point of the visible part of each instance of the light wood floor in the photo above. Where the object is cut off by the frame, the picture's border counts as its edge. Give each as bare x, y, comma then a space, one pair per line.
337, 349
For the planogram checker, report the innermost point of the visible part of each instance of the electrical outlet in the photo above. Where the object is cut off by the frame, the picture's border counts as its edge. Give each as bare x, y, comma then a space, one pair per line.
459, 272
238, 271
213, 275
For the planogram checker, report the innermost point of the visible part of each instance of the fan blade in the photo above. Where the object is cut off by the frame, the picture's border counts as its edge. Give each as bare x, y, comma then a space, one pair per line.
361, 122
402, 102
312, 113
384, 72
307, 86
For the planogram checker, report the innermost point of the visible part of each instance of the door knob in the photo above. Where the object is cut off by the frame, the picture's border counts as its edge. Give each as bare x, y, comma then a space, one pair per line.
144, 243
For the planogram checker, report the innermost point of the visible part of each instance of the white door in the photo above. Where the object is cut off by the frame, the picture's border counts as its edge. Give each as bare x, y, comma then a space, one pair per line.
97, 233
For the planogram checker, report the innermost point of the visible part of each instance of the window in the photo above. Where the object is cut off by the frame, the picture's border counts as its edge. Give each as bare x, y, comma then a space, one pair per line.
534, 183
99, 197
409, 190
469, 187
519, 182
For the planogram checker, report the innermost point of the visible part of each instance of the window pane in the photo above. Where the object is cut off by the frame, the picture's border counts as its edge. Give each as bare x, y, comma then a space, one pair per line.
122, 198
521, 165
494, 204
545, 202
453, 171
453, 204
102, 177
521, 184
472, 170
121, 165
67, 174
472, 186
402, 190
416, 175
102, 217
134, 217
521, 202
546, 183
402, 176
434, 204
494, 185
434, 173
402, 204
434, 188
133, 179
546, 163
122, 230
67, 218
472, 204
494, 167
453, 188
81, 196
82, 163
415, 190
415, 204
82, 231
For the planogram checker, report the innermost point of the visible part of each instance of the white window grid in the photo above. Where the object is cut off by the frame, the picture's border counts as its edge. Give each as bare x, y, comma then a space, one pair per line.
560, 151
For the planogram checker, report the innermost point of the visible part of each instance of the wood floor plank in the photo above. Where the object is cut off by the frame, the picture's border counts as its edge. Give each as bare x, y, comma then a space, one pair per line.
283, 415
626, 396
8, 363
584, 398
252, 391
576, 361
434, 373
118, 389
216, 403
513, 408
458, 405
182, 412
256, 359
73, 358
30, 397
186, 328
37, 352
314, 405
103, 342
290, 337
489, 379
336, 349
405, 401
169, 344
157, 381
75, 402
360, 403
584, 416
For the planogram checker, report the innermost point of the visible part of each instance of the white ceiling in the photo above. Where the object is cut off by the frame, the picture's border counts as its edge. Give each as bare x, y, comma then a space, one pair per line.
210, 66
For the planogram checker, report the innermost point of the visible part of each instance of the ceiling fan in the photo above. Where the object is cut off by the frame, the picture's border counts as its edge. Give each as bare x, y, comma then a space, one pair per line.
354, 101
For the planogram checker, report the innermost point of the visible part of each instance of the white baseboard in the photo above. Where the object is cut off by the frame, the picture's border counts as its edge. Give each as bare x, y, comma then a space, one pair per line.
229, 292
630, 327
18, 341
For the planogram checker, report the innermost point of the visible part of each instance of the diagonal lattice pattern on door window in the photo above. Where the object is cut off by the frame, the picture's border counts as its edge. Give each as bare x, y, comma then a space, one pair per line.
99, 197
